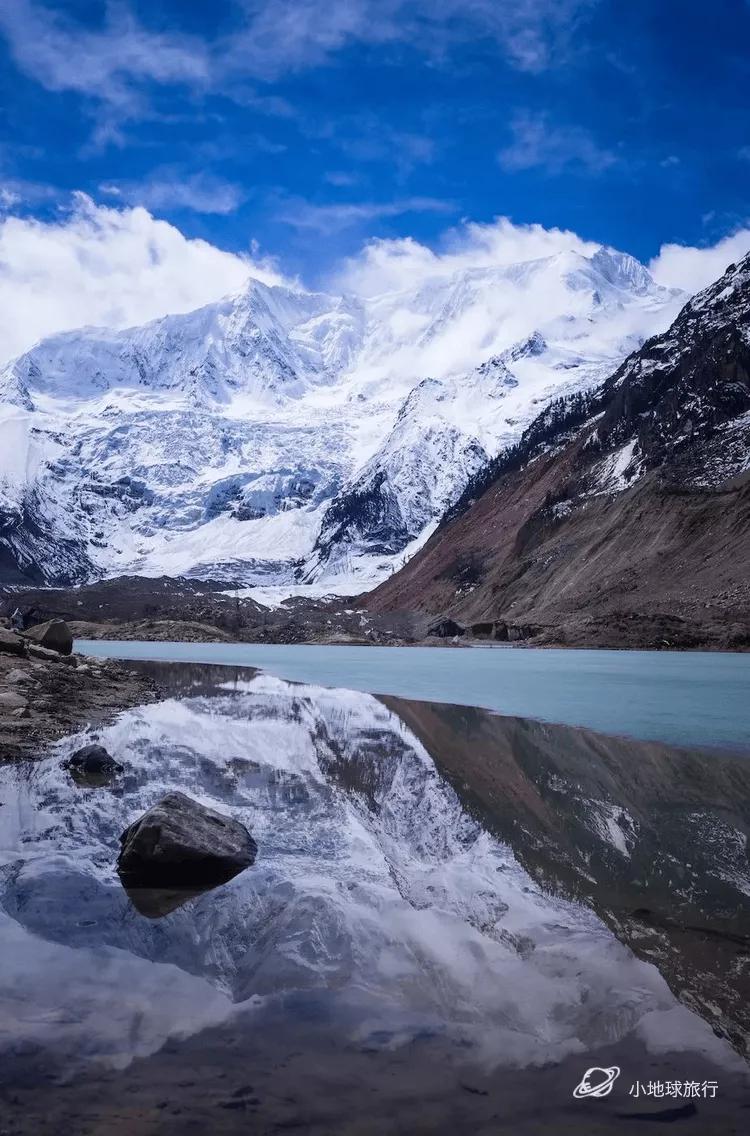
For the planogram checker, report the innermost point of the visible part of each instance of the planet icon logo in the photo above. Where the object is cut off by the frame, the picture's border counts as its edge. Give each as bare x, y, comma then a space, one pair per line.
596, 1082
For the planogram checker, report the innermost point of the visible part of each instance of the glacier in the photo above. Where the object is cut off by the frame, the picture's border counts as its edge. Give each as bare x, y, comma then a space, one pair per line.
288, 440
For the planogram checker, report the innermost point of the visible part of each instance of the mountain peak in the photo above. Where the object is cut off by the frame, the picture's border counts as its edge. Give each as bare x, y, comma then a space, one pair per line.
227, 435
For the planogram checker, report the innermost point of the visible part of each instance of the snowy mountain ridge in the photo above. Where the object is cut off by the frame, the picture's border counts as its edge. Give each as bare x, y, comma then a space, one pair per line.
288, 438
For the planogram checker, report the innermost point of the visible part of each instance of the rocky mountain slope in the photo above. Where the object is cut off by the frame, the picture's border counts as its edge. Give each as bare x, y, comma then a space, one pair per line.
281, 437
621, 517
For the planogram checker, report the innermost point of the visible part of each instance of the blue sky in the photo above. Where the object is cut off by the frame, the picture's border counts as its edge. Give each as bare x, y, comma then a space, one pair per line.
310, 127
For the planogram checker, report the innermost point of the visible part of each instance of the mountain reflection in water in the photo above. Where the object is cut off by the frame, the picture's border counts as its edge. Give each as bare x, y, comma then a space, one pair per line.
453, 911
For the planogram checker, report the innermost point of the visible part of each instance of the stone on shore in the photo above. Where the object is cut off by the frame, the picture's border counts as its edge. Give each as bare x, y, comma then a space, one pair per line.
54, 635
10, 643
44, 653
10, 700
181, 843
17, 675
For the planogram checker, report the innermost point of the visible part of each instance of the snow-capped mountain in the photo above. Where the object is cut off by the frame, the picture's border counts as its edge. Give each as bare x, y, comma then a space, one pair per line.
621, 516
284, 437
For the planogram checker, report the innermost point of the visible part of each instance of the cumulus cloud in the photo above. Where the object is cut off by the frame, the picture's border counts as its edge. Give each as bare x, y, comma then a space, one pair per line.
394, 265
690, 268
412, 285
107, 266
119, 266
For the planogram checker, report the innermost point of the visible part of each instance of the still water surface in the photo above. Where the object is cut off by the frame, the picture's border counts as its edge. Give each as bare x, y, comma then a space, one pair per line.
453, 914
696, 698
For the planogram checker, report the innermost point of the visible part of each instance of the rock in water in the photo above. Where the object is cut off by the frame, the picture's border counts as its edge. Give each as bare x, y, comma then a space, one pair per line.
155, 903
55, 635
181, 843
93, 760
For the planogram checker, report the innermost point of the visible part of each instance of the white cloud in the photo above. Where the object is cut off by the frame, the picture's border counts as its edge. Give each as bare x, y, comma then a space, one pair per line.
114, 267
285, 35
168, 190
488, 313
119, 266
116, 63
689, 268
333, 218
394, 265
8, 197
539, 144
63, 55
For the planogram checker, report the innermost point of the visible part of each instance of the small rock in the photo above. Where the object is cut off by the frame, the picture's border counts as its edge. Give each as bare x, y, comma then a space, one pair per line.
181, 843
21, 712
37, 652
18, 676
9, 700
55, 635
10, 643
93, 760
82, 668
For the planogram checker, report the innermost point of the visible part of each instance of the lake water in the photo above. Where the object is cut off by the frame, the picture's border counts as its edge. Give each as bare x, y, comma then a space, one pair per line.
453, 915
697, 698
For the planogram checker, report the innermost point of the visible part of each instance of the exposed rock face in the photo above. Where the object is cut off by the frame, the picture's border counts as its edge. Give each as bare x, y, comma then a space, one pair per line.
55, 635
621, 518
181, 843
445, 629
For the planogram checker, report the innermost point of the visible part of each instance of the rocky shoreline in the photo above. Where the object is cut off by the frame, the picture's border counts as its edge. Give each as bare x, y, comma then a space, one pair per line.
199, 611
45, 694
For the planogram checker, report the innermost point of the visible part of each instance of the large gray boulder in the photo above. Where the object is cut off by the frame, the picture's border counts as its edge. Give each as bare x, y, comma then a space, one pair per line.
180, 843
54, 635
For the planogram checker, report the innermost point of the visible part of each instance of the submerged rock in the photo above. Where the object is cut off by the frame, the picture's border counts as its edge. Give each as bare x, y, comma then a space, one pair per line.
154, 903
55, 635
180, 843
